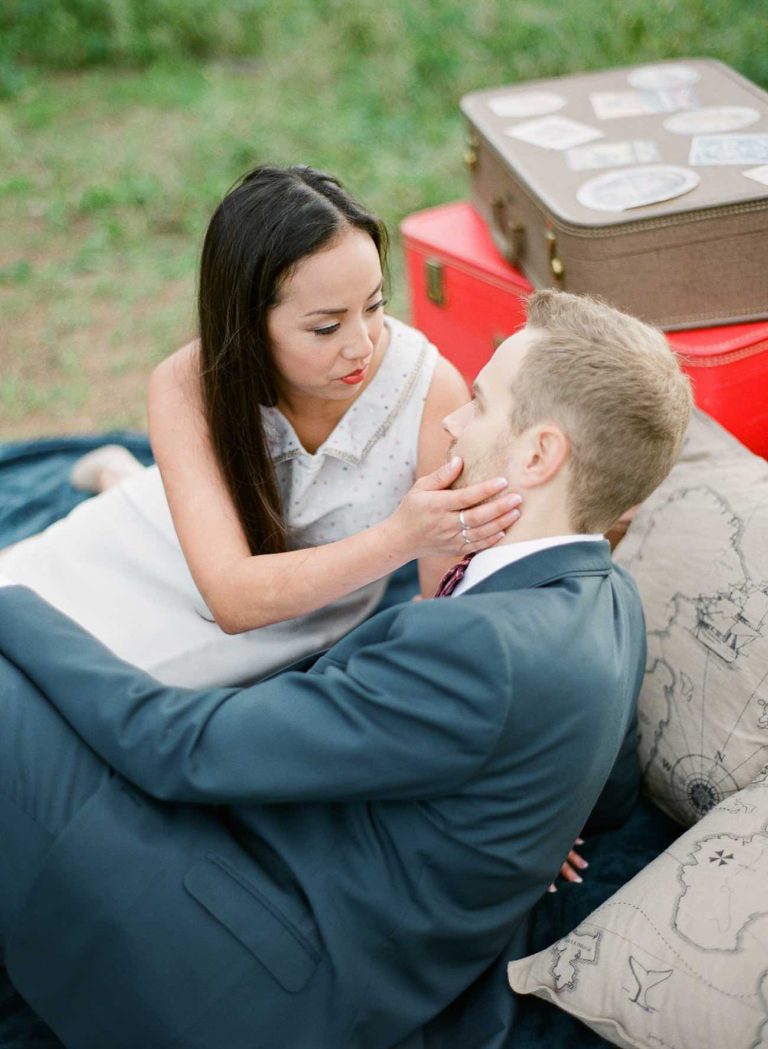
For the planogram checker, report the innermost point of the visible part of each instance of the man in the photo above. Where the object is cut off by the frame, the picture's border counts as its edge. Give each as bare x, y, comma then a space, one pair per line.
331, 857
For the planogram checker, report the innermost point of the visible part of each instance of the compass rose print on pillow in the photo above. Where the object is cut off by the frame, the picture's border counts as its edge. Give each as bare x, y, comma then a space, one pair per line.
698, 549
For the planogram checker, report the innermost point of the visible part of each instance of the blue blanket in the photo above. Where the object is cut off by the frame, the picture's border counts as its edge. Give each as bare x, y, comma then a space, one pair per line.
35, 492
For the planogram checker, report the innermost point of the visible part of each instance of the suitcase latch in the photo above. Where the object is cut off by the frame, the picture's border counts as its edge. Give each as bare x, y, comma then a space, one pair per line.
470, 151
435, 284
509, 236
556, 266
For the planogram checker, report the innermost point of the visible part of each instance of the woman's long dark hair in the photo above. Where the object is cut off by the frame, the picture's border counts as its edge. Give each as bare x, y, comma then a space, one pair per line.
269, 221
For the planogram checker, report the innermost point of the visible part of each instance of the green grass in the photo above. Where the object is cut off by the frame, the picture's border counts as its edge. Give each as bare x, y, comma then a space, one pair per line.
123, 123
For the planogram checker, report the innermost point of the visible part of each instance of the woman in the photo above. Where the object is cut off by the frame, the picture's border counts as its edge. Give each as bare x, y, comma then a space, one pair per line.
287, 438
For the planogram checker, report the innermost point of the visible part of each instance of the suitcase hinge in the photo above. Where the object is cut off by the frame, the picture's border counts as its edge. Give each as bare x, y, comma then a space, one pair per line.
556, 266
435, 285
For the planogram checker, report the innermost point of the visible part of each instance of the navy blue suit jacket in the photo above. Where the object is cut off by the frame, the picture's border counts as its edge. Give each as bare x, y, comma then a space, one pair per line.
330, 857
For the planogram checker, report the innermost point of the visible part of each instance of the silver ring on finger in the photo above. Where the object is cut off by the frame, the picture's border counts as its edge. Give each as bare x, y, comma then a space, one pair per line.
464, 536
462, 522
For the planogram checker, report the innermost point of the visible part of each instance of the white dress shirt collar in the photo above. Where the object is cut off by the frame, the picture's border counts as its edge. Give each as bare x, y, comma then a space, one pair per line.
489, 561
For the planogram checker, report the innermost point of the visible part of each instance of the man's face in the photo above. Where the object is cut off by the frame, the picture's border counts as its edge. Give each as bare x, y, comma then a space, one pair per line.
481, 429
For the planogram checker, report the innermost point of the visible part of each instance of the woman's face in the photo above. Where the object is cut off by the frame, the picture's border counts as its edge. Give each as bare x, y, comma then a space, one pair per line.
328, 324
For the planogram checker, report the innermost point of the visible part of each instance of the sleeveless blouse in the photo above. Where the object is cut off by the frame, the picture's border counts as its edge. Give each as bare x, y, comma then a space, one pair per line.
115, 565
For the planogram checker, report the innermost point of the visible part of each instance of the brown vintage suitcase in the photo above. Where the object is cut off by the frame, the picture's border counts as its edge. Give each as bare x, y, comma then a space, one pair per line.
574, 176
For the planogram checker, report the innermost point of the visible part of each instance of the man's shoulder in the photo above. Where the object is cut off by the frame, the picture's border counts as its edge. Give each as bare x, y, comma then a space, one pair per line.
488, 623
621, 574
624, 583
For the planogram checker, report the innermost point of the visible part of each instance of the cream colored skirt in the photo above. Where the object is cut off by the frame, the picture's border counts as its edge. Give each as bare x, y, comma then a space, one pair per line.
114, 564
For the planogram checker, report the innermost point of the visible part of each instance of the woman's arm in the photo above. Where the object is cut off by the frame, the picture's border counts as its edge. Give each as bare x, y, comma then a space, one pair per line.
245, 591
447, 392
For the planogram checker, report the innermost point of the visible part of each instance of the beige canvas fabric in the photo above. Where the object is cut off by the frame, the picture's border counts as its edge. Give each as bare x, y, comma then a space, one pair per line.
698, 550
679, 956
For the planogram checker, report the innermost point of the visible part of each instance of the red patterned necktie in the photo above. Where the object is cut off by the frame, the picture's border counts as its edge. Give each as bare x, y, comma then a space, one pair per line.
453, 577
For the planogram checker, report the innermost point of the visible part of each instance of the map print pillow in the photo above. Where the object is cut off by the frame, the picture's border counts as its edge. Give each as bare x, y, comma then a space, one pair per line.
698, 549
678, 957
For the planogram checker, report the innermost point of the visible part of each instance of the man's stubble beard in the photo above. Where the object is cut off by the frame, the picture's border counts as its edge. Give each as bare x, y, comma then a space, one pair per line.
479, 468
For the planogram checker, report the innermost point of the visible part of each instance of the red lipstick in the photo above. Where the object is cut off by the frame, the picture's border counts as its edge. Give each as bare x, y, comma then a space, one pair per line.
354, 377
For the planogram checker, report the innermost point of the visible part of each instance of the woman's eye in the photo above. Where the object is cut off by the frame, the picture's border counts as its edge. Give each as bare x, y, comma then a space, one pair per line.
329, 329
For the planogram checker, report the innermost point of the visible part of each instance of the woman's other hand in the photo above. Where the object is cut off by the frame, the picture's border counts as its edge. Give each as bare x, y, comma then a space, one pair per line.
573, 864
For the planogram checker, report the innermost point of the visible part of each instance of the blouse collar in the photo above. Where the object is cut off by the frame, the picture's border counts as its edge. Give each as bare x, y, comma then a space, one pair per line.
368, 418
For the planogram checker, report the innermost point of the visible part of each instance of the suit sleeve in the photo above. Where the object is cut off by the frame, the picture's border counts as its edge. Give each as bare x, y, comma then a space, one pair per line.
622, 789
407, 716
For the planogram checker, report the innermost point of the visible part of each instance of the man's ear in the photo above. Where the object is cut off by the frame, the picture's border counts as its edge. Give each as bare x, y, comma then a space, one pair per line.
547, 450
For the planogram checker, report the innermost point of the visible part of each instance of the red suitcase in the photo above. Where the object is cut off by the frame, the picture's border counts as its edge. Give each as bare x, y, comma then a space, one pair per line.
464, 296
467, 299
729, 371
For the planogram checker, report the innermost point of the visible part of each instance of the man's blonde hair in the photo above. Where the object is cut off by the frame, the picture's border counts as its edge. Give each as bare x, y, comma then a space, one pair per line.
614, 386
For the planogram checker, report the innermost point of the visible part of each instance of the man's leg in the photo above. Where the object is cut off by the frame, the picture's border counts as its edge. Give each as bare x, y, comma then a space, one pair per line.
46, 774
